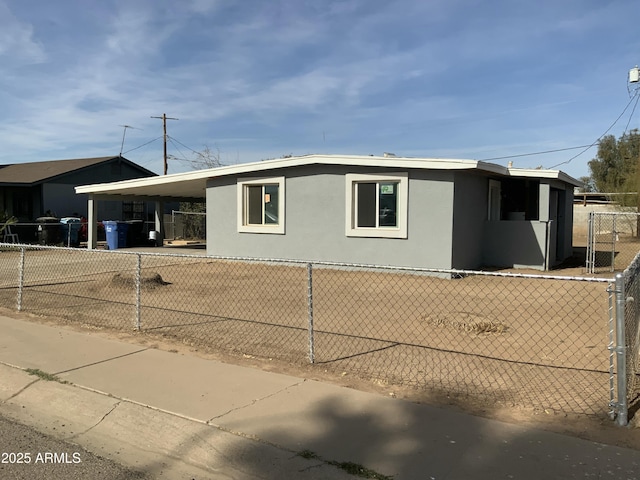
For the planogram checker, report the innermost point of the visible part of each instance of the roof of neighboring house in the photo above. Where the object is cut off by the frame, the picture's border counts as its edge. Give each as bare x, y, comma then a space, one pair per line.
193, 184
38, 172
599, 198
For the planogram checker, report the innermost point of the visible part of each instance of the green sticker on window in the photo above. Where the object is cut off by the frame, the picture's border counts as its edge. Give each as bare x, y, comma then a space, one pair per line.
387, 189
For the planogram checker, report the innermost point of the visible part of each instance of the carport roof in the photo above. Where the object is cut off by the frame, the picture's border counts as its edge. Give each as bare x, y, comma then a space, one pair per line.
192, 185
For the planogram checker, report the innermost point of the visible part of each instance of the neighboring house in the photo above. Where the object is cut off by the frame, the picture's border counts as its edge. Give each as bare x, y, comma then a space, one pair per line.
32, 190
421, 212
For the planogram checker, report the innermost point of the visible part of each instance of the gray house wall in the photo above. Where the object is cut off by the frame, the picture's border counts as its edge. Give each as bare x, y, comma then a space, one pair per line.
514, 243
470, 215
526, 244
61, 200
447, 225
315, 220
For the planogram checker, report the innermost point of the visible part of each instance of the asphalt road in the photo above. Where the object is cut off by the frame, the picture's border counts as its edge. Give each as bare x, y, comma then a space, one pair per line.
27, 454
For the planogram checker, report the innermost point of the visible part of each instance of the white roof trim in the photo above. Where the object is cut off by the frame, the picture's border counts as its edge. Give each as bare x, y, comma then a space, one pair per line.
193, 184
551, 174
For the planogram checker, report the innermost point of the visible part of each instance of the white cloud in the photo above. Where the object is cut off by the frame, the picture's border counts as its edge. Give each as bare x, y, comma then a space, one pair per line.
17, 46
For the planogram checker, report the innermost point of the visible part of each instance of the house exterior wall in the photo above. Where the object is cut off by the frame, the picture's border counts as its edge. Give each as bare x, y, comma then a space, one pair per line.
62, 200
315, 220
470, 214
538, 244
20, 202
59, 197
515, 243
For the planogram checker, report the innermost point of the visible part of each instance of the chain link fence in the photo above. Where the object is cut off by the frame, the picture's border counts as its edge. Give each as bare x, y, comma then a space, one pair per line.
528, 340
628, 287
187, 226
612, 241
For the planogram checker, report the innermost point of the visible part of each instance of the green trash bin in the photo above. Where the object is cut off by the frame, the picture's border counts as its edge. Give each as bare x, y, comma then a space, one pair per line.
71, 231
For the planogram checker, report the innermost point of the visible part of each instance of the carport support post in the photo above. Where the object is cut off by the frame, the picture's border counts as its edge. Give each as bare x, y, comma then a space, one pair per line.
92, 223
621, 353
312, 358
159, 223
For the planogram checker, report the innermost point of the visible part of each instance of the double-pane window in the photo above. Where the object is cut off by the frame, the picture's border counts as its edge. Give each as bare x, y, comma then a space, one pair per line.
261, 205
376, 205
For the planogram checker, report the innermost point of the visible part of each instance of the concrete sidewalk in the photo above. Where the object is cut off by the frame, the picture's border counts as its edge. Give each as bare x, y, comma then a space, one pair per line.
178, 416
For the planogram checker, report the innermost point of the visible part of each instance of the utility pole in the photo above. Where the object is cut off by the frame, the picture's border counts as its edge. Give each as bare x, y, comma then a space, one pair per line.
164, 119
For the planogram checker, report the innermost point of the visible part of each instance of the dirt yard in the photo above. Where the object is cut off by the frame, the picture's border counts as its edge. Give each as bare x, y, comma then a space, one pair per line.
533, 343
518, 349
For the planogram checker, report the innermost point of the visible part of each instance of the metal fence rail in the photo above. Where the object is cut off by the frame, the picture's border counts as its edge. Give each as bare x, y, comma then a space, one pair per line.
535, 341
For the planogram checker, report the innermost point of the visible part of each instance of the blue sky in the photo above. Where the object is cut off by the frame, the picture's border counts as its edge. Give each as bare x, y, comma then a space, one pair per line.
257, 79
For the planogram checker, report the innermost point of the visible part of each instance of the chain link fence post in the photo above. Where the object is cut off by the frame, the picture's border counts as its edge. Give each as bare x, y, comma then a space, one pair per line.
138, 288
611, 290
312, 356
614, 237
20, 278
621, 351
590, 262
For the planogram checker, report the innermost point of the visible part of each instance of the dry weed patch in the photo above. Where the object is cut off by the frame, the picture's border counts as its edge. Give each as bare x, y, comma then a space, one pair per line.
467, 323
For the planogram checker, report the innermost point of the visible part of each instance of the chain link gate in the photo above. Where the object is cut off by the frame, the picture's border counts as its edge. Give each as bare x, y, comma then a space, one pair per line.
612, 241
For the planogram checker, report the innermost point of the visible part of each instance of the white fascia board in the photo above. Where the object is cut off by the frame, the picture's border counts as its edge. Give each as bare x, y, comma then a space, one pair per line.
143, 182
551, 174
253, 167
195, 177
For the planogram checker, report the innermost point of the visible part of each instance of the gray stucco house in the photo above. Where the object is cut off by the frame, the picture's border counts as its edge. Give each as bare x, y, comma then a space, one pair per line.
423, 212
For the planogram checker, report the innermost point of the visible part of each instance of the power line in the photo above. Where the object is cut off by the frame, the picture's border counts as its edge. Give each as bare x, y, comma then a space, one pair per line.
144, 144
600, 137
188, 148
173, 142
631, 116
533, 153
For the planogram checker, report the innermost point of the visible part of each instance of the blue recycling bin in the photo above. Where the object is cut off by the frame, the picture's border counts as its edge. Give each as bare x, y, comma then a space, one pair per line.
116, 233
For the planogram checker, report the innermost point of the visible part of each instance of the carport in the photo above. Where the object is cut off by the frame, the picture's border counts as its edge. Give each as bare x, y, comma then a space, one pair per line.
181, 187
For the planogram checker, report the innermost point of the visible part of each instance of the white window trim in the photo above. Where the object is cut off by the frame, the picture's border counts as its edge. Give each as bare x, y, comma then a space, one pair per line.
376, 232
241, 215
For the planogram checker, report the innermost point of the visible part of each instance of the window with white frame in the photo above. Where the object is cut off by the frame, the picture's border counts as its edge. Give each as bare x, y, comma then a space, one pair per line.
261, 205
376, 205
